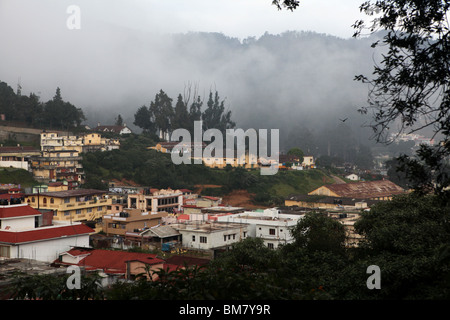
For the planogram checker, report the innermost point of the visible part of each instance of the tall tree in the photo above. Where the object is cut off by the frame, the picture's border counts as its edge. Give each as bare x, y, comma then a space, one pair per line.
410, 86
162, 111
119, 120
181, 115
144, 120
7, 101
215, 116
60, 114
195, 113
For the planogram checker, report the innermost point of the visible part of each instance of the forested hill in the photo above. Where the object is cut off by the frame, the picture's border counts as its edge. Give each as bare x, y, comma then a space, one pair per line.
299, 82
28, 110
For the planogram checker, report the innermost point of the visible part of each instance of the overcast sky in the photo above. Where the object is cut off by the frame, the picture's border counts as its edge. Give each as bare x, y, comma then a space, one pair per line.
236, 18
108, 63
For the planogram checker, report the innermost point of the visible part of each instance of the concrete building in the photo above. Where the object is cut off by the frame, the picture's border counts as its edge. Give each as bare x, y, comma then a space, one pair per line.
31, 234
155, 200
353, 177
130, 220
270, 225
81, 143
210, 236
58, 165
82, 205
17, 157
113, 128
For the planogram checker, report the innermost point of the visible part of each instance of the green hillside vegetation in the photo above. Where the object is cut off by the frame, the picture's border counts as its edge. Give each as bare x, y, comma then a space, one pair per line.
135, 162
17, 176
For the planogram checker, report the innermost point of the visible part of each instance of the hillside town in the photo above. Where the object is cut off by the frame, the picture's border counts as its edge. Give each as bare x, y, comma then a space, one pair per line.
216, 159
58, 223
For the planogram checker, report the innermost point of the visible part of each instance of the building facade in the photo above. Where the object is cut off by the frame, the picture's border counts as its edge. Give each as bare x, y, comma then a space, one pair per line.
82, 205
269, 225
130, 220
28, 233
155, 200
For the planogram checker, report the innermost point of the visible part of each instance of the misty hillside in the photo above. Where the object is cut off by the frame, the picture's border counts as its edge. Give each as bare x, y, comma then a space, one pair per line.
298, 82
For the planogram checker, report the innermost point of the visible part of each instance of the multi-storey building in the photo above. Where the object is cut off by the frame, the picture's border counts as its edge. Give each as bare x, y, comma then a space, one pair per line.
58, 165
82, 143
154, 200
31, 234
17, 157
84, 205
210, 236
130, 220
270, 225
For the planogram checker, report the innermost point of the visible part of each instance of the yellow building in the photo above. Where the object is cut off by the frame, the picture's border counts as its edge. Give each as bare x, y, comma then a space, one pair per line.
247, 161
369, 190
72, 205
82, 143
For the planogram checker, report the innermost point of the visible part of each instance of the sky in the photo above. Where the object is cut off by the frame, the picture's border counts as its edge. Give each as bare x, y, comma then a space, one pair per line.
119, 56
236, 18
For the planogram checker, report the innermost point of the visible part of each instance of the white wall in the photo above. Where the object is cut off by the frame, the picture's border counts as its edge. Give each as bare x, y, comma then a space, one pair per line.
48, 250
22, 223
260, 228
214, 239
14, 164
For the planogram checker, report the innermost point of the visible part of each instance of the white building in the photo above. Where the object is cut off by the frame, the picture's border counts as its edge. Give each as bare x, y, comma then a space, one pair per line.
353, 177
28, 233
210, 235
270, 225
156, 200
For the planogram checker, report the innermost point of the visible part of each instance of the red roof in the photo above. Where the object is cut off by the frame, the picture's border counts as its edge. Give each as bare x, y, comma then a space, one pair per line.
44, 233
21, 210
112, 260
184, 217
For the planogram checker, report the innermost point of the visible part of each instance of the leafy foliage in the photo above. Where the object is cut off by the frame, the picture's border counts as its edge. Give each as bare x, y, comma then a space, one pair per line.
55, 113
408, 238
162, 116
410, 87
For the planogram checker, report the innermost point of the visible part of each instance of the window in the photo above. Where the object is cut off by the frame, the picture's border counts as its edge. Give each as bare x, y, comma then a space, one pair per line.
89, 210
45, 200
270, 245
78, 211
52, 200
100, 208
224, 238
203, 239
193, 238
66, 200
272, 232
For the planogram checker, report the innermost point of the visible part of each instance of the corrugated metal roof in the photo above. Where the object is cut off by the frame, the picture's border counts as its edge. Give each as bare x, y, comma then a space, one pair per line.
365, 189
163, 231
